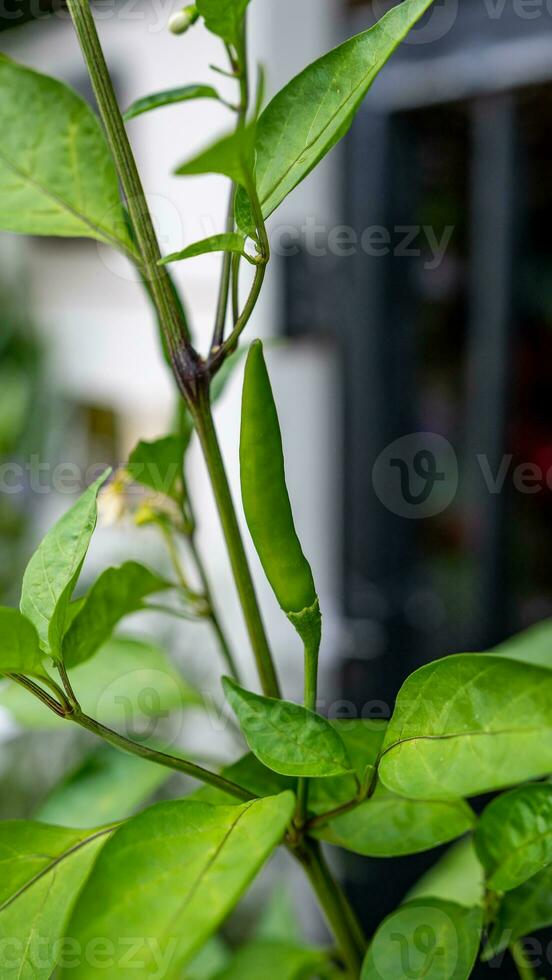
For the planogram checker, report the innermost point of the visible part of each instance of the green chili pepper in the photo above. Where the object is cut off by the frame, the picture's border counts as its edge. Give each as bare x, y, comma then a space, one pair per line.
266, 502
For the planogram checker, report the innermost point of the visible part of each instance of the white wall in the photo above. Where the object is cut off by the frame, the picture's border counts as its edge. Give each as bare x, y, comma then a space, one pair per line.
103, 343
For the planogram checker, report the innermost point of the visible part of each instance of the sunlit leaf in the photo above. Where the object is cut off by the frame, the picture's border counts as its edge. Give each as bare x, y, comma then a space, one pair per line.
19, 647
117, 593
43, 870
56, 173
52, 572
466, 725
172, 96
286, 737
514, 836
306, 119
171, 876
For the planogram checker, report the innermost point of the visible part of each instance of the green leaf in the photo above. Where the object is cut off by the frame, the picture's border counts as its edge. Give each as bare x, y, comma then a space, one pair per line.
224, 18
226, 242
532, 646
514, 836
56, 173
457, 876
170, 96
209, 962
43, 871
159, 465
278, 921
308, 117
52, 572
19, 647
522, 911
391, 826
363, 739
425, 938
466, 725
253, 776
129, 685
117, 593
274, 961
171, 876
286, 737
231, 156
107, 787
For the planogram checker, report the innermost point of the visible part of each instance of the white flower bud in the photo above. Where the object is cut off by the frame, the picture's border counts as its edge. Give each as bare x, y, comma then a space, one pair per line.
183, 19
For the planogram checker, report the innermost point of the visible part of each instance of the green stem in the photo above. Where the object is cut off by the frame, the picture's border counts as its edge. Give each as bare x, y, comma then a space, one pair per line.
335, 905
524, 968
172, 316
42, 695
161, 758
206, 431
222, 305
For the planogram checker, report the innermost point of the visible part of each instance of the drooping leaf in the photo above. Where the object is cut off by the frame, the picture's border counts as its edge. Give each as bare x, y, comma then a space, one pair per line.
56, 173
171, 875
388, 825
172, 96
52, 572
231, 156
532, 646
19, 647
274, 961
466, 725
108, 786
117, 593
226, 242
514, 836
43, 871
159, 465
307, 118
224, 18
456, 877
425, 938
522, 911
286, 737
130, 685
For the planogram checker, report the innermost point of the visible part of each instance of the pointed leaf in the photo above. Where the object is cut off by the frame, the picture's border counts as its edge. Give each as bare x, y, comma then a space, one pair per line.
129, 685
522, 911
159, 465
170, 96
224, 18
306, 119
172, 875
56, 173
388, 825
425, 938
466, 725
231, 156
19, 647
513, 839
52, 572
43, 871
227, 242
287, 738
117, 593
108, 786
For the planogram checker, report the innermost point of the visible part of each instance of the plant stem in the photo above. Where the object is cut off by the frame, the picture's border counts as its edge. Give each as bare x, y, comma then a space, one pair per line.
524, 968
222, 305
206, 431
161, 758
335, 905
171, 314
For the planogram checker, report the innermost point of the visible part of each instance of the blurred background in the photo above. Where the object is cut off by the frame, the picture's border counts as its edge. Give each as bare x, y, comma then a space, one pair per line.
410, 302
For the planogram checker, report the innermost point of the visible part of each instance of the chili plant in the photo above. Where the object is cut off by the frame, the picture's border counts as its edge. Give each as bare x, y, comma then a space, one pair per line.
125, 894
